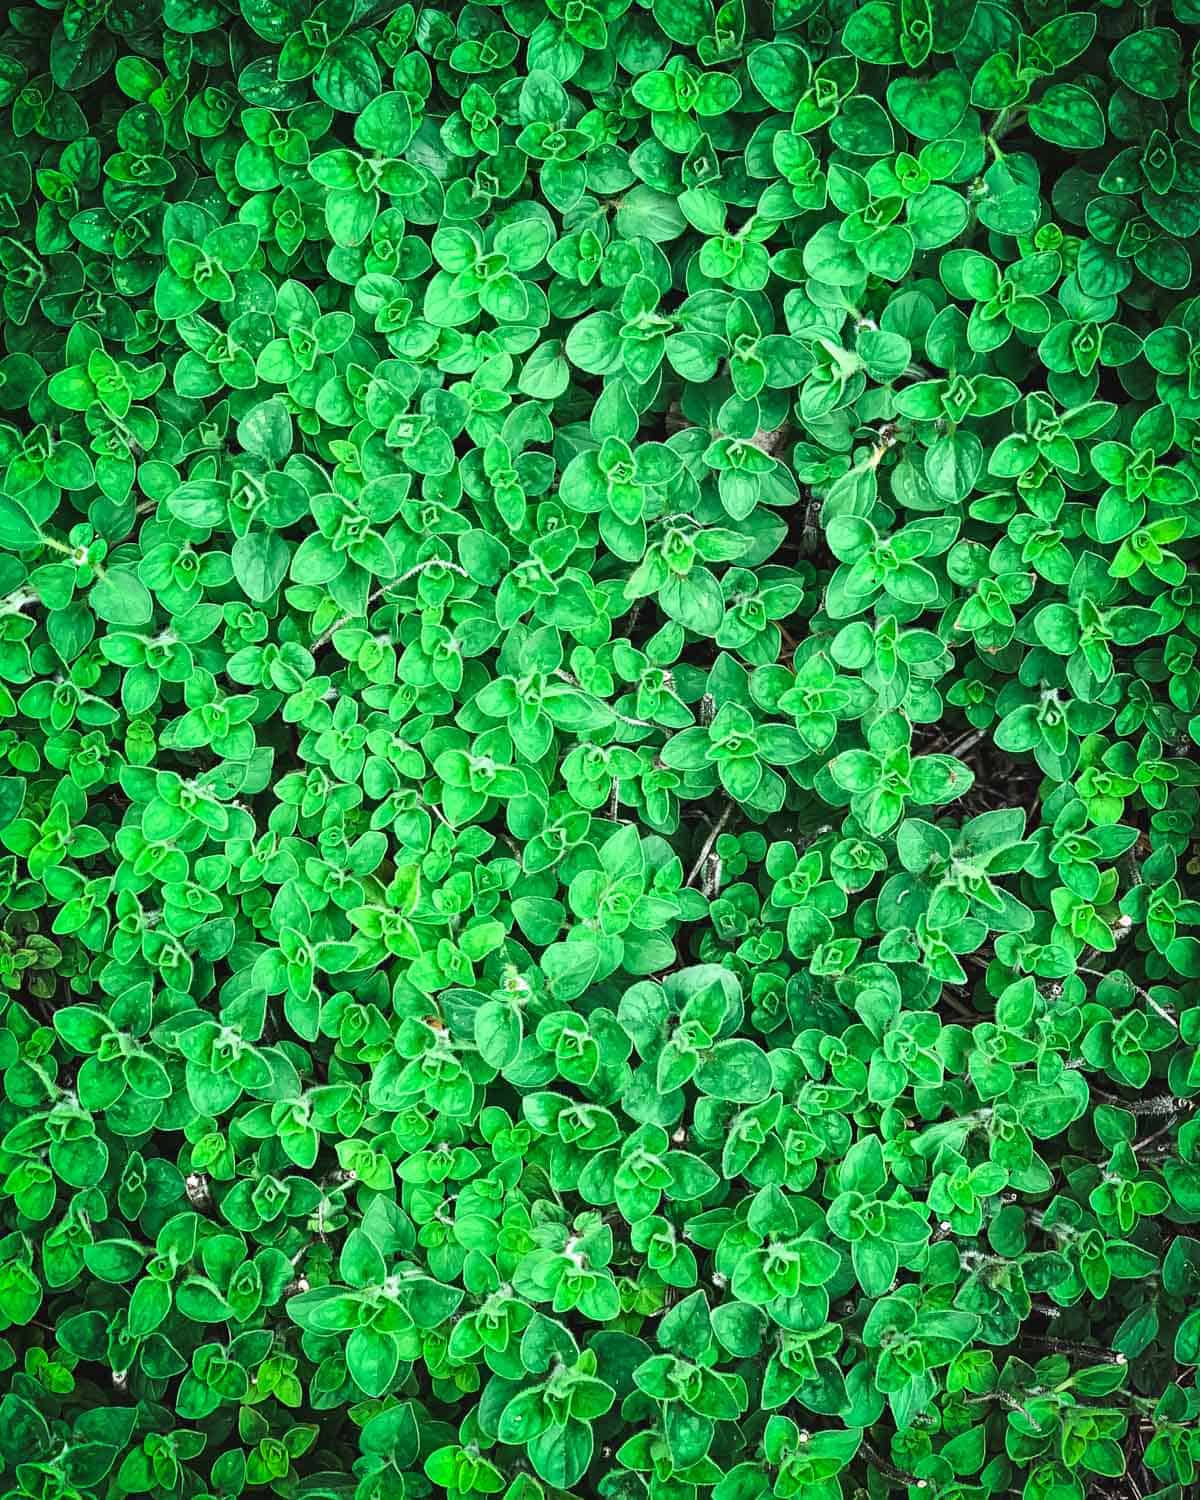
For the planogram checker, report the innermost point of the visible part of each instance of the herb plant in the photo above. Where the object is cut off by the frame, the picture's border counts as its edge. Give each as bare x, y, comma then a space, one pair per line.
599, 701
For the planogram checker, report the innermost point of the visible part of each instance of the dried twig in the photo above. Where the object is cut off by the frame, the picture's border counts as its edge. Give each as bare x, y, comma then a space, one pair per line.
713, 832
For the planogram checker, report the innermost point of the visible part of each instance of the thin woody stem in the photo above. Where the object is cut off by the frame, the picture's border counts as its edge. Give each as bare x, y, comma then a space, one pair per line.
713, 833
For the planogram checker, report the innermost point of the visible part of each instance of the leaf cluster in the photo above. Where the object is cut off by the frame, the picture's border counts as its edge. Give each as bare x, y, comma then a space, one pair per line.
599, 702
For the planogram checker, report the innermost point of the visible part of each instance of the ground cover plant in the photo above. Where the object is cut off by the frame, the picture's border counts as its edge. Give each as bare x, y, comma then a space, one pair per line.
598, 706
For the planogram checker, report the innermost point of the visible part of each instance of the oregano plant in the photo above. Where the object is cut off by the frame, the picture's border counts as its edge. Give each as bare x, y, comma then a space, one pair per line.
599, 704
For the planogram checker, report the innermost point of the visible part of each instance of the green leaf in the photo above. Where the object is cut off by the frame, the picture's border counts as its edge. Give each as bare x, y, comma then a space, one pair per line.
260, 564
17, 527
1068, 116
120, 598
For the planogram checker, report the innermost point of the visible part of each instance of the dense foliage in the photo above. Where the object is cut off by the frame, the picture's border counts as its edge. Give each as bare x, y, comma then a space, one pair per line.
598, 703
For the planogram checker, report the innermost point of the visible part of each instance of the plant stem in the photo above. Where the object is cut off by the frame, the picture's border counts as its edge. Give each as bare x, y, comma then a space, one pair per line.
713, 832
